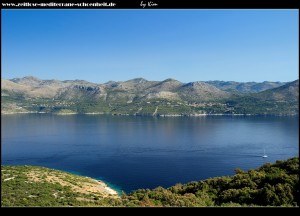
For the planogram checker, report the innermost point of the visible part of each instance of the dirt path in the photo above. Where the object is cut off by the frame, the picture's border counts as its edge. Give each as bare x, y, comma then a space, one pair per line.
155, 111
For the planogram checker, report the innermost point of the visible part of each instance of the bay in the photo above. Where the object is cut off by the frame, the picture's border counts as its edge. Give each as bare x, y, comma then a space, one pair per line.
131, 152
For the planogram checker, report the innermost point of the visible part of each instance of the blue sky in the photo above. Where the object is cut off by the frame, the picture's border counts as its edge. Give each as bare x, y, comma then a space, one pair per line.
187, 45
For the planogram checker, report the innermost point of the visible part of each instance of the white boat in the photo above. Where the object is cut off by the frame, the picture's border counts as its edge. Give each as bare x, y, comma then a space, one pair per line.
265, 156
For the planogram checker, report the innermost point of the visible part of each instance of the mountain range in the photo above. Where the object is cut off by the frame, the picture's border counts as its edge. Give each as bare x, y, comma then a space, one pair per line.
142, 97
245, 87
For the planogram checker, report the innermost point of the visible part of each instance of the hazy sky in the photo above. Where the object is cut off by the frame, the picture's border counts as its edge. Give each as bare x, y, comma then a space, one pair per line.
187, 45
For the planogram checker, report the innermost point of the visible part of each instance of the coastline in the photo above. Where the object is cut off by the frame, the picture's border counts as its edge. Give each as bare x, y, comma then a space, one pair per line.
103, 187
78, 183
24, 186
159, 115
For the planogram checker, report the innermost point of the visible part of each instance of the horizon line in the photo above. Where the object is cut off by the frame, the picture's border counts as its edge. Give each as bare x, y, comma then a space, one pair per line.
212, 80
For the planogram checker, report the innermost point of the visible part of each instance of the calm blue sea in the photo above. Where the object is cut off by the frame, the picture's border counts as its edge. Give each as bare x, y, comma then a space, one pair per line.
146, 152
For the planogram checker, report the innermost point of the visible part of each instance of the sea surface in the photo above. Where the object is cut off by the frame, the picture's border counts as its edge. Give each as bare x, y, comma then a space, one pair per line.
131, 152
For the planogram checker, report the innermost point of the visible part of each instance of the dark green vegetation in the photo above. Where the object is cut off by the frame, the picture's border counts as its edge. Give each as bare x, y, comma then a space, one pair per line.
270, 185
151, 98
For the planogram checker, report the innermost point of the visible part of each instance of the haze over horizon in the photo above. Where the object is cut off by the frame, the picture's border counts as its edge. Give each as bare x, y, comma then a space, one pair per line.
187, 45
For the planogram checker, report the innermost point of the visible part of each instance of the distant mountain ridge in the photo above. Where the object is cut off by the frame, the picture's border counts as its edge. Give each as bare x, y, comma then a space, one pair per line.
142, 97
245, 87
288, 91
165, 85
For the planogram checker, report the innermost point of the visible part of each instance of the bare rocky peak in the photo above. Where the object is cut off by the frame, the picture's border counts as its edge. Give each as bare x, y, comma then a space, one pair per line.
166, 85
28, 80
245, 87
289, 92
198, 85
137, 80
170, 80
35, 82
133, 85
201, 91
195, 84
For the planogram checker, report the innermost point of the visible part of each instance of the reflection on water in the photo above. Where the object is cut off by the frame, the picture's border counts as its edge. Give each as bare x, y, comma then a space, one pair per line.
135, 152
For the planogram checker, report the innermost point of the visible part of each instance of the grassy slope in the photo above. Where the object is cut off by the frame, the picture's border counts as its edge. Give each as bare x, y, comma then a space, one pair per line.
270, 185
39, 186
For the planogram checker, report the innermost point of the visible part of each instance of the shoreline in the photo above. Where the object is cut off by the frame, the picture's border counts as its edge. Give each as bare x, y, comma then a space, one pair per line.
105, 186
162, 115
88, 185
102, 184
110, 190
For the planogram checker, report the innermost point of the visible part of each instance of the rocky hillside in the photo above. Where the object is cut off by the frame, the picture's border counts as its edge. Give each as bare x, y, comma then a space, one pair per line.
245, 87
142, 97
139, 88
288, 92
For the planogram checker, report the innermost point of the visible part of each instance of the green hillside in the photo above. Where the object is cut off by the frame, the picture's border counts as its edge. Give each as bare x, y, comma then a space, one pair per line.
142, 97
270, 185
